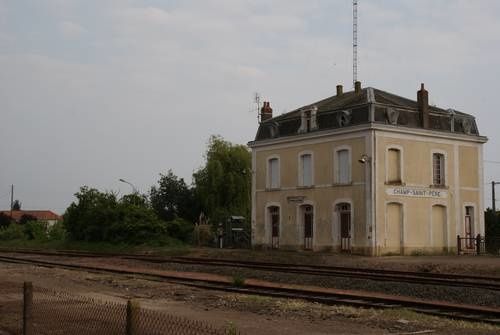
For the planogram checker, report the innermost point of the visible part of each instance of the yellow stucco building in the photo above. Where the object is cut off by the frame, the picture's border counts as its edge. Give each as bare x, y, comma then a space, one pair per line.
367, 172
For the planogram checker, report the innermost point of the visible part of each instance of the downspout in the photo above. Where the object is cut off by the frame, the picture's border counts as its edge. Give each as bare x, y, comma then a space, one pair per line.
373, 189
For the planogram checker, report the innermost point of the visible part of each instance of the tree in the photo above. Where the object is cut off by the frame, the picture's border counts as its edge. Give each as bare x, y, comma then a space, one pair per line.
4, 220
27, 218
173, 199
16, 205
100, 216
223, 185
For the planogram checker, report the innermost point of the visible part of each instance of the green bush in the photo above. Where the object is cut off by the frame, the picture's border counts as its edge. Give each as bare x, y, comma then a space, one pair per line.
56, 232
180, 229
238, 280
101, 217
12, 232
34, 230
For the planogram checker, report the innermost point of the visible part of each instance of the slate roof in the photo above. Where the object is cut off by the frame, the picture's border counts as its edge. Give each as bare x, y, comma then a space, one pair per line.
351, 99
358, 105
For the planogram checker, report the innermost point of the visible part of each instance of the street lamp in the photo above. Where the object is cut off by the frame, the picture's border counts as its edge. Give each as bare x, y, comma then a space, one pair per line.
372, 234
364, 158
134, 189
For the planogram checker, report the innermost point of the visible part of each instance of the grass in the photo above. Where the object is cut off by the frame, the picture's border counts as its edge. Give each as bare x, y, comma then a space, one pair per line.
238, 280
167, 249
319, 311
231, 328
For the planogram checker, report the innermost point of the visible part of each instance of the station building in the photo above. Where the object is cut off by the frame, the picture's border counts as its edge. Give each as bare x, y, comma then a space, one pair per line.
367, 172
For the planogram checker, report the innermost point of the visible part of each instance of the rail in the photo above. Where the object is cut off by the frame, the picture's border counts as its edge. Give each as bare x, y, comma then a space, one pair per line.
317, 294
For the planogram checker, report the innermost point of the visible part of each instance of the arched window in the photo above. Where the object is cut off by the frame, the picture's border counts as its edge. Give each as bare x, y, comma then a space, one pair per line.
308, 221
274, 219
344, 215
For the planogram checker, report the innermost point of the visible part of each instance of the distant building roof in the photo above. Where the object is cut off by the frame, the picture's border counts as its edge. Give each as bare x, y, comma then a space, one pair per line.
40, 215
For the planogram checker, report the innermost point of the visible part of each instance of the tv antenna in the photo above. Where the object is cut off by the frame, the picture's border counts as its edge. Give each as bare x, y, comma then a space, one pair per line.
354, 41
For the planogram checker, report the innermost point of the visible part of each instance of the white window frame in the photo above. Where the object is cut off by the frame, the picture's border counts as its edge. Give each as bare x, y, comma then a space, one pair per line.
301, 172
336, 166
475, 218
268, 172
401, 162
445, 163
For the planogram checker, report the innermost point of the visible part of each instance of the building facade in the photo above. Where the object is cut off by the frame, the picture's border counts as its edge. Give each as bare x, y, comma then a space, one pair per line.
367, 172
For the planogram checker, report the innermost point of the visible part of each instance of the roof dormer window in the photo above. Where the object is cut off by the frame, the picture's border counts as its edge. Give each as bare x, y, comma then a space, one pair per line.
308, 120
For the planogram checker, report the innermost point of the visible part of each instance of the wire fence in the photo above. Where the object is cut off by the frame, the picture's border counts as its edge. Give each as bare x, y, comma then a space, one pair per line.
32, 310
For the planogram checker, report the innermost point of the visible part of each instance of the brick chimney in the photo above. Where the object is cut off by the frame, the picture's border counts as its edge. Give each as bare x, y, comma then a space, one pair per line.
357, 87
266, 112
423, 106
339, 89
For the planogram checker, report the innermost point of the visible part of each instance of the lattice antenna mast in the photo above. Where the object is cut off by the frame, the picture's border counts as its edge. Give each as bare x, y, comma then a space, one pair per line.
257, 102
354, 41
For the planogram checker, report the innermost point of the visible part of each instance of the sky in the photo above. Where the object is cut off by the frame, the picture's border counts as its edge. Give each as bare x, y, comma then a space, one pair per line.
92, 91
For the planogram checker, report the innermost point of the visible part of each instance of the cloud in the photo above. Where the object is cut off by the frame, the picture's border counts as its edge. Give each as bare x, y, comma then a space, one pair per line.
71, 30
145, 15
163, 73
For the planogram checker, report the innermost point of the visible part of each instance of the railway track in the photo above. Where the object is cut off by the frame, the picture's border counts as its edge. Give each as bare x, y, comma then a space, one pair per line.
426, 278
320, 295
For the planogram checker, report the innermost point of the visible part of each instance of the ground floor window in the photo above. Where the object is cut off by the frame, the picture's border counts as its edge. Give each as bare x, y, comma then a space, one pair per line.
274, 214
307, 212
344, 215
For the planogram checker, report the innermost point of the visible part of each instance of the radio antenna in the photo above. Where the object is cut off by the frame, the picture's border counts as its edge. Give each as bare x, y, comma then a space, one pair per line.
354, 41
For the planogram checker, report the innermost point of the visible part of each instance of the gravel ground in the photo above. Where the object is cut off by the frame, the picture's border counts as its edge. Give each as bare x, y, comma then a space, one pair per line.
453, 294
250, 314
462, 295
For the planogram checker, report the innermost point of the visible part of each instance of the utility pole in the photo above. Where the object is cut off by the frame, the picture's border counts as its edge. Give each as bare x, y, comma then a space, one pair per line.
11, 199
493, 200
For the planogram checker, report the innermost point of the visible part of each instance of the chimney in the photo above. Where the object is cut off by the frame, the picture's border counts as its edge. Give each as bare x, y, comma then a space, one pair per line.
357, 87
266, 112
423, 106
339, 89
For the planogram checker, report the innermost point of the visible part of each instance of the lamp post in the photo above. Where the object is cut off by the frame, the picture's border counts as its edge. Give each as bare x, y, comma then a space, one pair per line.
134, 189
372, 234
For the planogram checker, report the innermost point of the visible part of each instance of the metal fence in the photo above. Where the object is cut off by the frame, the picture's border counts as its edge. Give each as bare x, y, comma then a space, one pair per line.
478, 245
40, 311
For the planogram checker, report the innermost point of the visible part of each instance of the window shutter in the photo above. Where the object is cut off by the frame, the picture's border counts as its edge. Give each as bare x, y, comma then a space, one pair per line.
274, 173
343, 166
306, 178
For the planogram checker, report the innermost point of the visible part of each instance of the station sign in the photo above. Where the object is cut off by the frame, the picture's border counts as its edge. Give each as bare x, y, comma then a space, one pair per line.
417, 192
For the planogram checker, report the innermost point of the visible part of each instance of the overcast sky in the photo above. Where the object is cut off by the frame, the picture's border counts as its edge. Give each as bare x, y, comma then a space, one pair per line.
94, 91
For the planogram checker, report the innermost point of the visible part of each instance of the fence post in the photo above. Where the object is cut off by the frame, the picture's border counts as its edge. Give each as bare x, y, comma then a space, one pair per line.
28, 308
458, 245
478, 244
132, 326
